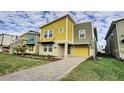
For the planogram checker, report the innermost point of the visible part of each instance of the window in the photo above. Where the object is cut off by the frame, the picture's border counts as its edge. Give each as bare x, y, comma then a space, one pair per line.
82, 34
112, 35
45, 48
45, 35
30, 48
31, 38
61, 30
50, 48
48, 34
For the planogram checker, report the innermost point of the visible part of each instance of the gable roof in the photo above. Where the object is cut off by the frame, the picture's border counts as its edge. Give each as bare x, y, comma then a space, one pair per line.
59, 19
113, 24
7, 34
32, 32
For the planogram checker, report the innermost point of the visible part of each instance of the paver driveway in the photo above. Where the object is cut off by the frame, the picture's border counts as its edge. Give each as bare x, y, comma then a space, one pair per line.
50, 71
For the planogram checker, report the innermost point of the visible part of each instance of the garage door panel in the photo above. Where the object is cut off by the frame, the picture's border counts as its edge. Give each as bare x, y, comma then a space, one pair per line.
81, 51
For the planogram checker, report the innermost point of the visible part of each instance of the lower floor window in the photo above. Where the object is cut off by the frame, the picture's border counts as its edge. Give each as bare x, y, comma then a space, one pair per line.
50, 48
30, 48
47, 48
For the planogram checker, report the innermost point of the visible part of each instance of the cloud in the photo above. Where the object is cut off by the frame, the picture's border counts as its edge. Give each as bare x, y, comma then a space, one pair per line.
19, 22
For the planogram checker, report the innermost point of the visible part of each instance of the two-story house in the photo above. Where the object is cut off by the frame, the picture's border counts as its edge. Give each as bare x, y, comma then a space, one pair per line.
63, 37
28, 40
5, 41
115, 39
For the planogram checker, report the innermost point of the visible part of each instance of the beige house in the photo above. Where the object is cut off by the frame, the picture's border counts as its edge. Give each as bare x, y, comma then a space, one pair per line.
29, 40
115, 39
5, 41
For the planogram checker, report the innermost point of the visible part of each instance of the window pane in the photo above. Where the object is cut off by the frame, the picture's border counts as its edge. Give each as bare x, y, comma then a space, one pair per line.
50, 33
30, 48
50, 48
82, 34
45, 48
45, 34
61, 29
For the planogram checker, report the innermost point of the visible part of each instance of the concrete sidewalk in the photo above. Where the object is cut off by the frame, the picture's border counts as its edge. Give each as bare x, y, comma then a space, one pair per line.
50, 71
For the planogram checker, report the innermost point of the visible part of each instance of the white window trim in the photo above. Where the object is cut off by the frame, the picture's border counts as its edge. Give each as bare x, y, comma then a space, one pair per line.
48, 32
50, 46
45, 32
84, 32
47, 47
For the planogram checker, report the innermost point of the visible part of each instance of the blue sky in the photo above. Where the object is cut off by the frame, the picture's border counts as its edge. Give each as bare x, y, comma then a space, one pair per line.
18, 23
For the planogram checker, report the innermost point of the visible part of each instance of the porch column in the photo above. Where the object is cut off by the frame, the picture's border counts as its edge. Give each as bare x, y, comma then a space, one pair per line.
66, 50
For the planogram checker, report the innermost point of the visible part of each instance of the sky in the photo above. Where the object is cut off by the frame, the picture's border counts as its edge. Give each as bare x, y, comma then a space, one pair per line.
19, 22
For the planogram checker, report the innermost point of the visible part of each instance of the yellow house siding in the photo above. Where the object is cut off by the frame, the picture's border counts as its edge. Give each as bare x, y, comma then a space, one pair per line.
70, 29
55, 26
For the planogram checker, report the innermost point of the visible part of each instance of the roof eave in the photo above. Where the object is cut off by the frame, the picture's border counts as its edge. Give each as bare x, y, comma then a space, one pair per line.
57, 20
110, 29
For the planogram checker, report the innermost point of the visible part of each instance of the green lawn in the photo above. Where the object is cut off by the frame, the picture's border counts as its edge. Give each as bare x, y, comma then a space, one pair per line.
9, 63
102, 69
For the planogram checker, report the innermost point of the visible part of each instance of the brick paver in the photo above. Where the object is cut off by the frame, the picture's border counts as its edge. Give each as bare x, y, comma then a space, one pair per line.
50, 71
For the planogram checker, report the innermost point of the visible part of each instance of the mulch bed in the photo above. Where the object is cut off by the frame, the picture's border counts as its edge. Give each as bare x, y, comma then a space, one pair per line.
51, 59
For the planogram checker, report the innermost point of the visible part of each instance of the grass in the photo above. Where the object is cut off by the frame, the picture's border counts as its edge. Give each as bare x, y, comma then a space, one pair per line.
10, 63
103, 69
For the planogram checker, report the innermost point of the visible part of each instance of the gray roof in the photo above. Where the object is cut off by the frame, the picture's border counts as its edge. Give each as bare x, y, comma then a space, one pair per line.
113, 24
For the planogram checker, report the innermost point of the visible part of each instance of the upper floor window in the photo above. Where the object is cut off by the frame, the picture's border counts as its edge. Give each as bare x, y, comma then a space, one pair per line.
61, 29
112, 35
82, 34
45, 34
31, 38
48, 34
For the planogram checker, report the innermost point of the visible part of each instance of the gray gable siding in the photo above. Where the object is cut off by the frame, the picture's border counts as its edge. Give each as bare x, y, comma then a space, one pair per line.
83, 26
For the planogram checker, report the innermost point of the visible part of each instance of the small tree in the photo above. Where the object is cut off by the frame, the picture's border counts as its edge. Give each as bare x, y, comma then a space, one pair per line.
20, 49
16, 49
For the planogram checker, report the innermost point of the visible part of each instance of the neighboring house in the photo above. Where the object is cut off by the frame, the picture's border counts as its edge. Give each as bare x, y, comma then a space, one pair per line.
29, 40
5, 41
63, 37
101, 49
115, 39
